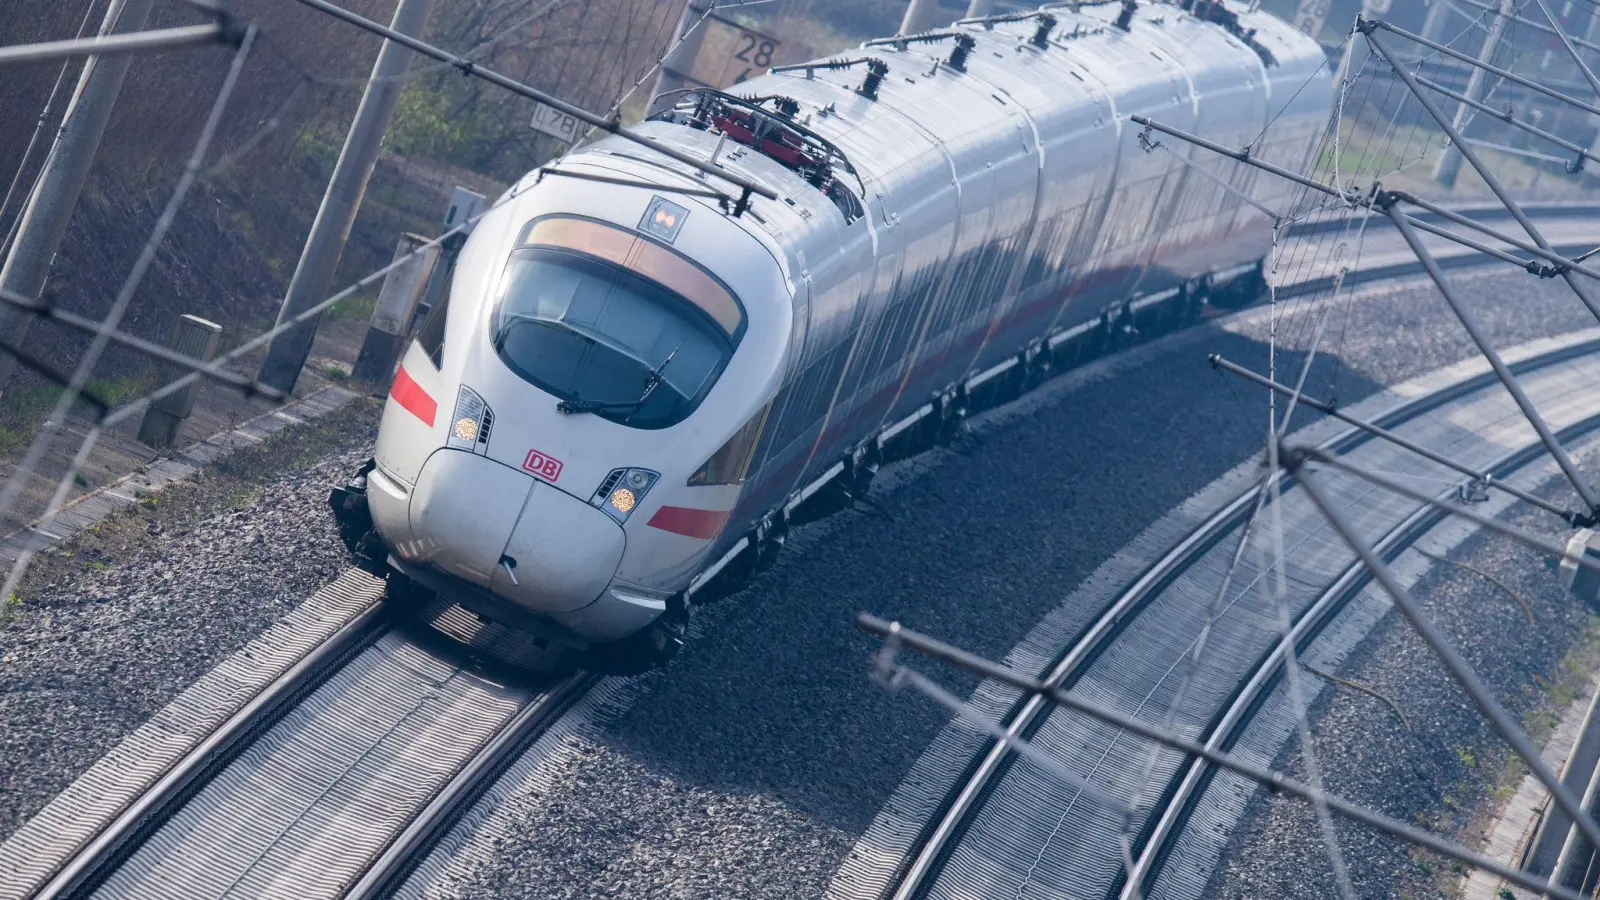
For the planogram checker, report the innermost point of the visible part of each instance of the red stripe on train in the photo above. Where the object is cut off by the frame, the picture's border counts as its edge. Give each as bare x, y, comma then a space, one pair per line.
412, 398
704, 524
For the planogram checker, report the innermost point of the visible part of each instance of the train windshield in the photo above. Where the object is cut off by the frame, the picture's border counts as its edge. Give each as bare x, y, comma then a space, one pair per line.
608, 340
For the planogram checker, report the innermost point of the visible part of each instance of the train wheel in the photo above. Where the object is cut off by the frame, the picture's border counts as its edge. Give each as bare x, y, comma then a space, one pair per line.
1242, 291
651, 648
1123, 332
405, 593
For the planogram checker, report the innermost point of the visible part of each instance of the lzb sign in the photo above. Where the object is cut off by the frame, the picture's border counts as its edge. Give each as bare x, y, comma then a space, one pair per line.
730, 53
554, 122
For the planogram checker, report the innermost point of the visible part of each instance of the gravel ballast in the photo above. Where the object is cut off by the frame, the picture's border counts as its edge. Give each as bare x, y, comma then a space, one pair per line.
750, 766
112, 625
772, 710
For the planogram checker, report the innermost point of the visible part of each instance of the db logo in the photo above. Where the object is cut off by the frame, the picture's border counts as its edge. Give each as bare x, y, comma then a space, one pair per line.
546, 467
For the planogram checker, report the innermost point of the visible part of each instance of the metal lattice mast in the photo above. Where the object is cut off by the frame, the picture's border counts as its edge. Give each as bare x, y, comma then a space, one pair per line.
1448, 167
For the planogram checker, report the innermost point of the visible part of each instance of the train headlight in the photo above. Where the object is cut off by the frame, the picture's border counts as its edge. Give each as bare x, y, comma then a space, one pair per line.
622, 500
622, 490
469, 428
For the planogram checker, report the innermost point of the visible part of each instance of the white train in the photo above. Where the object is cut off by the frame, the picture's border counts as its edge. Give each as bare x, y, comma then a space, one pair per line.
633, 391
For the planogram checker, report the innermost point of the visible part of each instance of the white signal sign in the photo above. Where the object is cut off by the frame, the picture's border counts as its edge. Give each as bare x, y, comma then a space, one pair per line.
549, 120
730, 53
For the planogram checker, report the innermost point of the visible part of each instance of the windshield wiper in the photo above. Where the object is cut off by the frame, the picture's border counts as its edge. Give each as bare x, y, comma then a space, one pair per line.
579, 405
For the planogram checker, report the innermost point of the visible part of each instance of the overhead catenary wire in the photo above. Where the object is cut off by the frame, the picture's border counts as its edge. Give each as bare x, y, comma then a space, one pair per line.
1488, 176
1360, 198
616, 107
1385, 434
610, 125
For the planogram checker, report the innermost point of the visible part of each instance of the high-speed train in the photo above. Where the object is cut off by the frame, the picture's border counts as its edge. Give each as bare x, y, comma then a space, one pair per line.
635, 387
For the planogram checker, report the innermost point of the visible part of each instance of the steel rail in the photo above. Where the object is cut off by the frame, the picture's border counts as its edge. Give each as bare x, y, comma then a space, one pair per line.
1183, 792
390, 868
934, 844
97, 858
896, 636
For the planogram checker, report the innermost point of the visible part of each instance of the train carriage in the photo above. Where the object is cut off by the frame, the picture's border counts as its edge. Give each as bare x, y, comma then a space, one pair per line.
636, 386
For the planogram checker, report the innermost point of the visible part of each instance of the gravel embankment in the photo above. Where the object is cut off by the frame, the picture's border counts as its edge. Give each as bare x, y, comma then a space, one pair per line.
1441, 773
113, 625
771, 715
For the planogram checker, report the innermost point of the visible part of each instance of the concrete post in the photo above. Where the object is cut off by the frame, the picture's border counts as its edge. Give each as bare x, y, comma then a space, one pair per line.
920, 16
194, 337
979, 8
1449, 164
397, 305
44, 219
1433, 24
680, 58
313, 276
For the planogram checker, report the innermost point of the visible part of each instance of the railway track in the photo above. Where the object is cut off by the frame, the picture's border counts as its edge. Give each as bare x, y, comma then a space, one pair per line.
335, 778
959, 851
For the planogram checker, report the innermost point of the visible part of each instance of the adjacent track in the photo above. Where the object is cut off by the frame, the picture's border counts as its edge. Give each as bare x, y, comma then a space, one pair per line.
1181, 781
157, 841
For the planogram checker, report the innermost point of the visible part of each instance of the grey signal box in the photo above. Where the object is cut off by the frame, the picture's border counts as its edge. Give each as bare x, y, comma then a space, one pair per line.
464, 204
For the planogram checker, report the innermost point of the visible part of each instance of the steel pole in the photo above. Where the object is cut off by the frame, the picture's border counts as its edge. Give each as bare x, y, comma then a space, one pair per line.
919, 16
104, 47
49, 208
1449, 164
1471, 156
313, 276
1507, 378
681, 55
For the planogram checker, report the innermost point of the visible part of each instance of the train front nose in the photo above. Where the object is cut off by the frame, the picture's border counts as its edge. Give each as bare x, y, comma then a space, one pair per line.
504, 530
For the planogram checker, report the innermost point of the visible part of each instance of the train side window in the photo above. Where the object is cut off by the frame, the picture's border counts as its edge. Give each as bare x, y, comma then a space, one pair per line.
731, 464
431, 334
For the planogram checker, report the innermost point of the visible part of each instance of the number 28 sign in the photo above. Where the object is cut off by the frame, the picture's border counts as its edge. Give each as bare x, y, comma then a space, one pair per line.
731, 53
